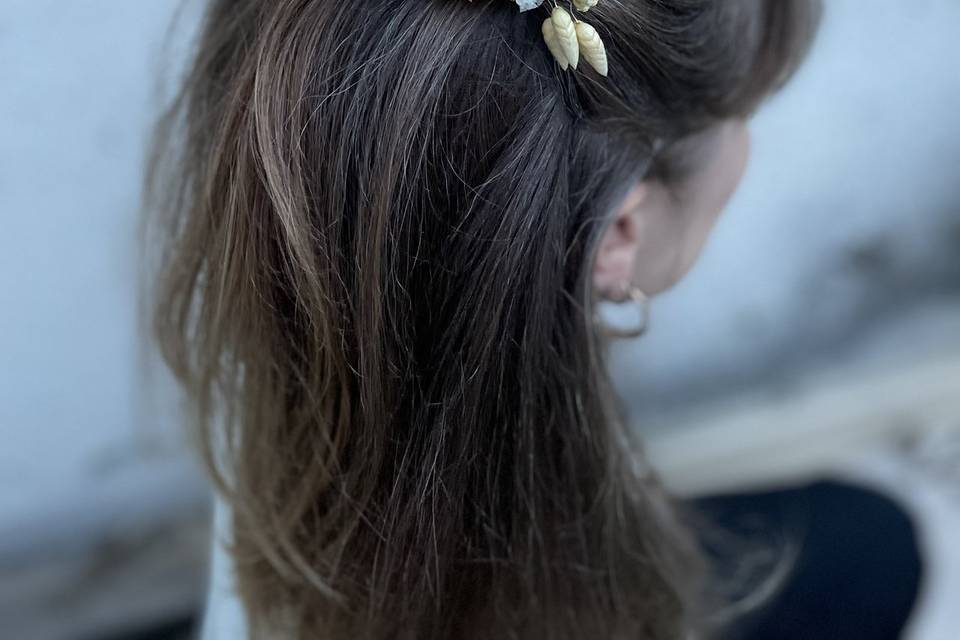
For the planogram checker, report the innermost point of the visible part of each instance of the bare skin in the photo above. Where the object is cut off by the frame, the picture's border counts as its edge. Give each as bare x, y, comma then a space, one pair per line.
662, 225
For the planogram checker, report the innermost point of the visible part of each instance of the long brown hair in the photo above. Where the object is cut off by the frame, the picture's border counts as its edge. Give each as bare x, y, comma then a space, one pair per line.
376, 221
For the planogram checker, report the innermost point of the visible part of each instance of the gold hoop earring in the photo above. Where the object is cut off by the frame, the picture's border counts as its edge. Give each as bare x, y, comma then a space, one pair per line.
631, 293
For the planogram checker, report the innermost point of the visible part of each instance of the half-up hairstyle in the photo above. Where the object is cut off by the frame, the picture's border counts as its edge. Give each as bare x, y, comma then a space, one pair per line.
376, 223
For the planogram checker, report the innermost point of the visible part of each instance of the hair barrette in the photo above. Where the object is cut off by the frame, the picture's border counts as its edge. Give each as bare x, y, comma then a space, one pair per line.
568, 38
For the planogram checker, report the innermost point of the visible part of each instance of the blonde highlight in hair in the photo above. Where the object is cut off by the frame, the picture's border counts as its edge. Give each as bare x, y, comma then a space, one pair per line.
376, 222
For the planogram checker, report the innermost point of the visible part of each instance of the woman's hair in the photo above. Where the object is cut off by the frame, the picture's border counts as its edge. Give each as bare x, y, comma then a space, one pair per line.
377, 222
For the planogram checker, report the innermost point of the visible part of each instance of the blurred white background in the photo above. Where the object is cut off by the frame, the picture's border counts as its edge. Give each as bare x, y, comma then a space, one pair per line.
841, 253
848, 218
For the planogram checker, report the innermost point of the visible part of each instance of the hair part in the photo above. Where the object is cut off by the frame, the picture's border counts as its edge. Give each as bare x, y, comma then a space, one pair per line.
377, 222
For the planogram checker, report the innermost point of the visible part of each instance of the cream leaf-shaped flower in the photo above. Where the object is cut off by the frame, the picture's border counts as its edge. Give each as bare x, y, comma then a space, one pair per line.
553, 43
591, 47
566, 35
585, 5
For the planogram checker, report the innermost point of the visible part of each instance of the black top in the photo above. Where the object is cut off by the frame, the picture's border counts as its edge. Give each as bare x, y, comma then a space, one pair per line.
858, 571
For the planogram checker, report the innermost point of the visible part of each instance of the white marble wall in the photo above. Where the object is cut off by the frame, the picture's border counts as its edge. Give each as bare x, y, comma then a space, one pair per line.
848, 219
90, 468
76, 101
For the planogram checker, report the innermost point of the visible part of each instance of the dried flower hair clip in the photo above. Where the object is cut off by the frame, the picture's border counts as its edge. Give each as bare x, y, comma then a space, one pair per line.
570, 39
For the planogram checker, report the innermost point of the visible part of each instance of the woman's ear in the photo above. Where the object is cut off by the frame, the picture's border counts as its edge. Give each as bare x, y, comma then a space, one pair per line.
616, 260
660, 228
